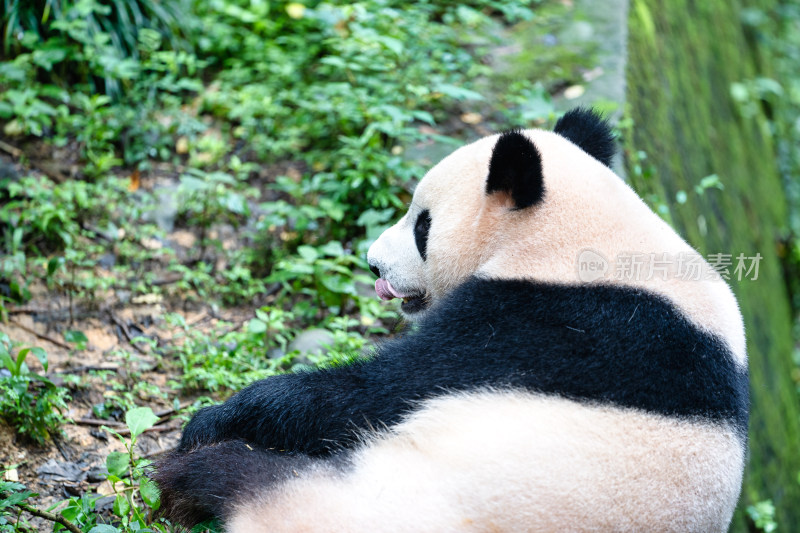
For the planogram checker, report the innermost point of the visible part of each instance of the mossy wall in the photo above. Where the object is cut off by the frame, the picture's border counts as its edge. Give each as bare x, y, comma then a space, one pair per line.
683, 56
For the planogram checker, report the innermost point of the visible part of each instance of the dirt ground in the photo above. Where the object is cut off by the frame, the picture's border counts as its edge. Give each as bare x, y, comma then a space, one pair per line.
73, 463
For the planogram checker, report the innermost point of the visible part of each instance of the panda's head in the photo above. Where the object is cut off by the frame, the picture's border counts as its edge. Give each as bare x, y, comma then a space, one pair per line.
473, 205
532, 205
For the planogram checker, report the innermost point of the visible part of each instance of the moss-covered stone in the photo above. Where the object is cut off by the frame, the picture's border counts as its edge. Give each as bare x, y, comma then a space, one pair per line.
683, 57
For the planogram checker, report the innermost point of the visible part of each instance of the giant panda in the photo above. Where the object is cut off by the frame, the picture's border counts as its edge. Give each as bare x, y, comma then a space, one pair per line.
528, 395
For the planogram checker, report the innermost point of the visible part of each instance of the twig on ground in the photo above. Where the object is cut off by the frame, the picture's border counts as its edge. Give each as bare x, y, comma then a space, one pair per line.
54, 314
205, 316
235, 327
125, 331
26, 310
50, 170
97, 422
42, 335
11, 150
96, 234
49, 516
60, 448
155, 429
167, 280
81, 369
158, 452
171, 410
273, 290
119, 427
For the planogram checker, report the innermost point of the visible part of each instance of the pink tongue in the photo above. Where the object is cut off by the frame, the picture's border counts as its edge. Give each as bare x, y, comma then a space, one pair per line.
385, 290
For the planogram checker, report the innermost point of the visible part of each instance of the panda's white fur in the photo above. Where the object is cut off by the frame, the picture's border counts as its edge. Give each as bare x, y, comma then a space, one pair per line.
508, 459
455, 466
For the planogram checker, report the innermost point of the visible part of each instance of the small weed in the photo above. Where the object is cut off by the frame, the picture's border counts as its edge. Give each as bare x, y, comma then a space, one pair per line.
136, 496
30, 402
126, 473
762, 515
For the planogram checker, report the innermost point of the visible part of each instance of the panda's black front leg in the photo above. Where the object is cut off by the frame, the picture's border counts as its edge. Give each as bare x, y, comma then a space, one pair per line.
316, 413
309, 412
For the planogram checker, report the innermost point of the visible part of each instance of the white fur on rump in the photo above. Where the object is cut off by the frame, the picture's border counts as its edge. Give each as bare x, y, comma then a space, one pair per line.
518, 462
586, 206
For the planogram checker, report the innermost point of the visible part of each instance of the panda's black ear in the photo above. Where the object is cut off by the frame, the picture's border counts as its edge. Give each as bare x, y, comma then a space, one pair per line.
590, 131
516, 169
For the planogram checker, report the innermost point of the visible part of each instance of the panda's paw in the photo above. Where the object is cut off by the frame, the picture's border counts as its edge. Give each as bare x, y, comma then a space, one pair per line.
206, 427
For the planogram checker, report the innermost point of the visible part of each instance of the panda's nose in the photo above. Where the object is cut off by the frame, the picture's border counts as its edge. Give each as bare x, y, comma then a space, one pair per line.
375, 270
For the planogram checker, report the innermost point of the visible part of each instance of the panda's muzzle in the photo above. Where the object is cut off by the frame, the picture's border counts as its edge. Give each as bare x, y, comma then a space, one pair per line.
412, 302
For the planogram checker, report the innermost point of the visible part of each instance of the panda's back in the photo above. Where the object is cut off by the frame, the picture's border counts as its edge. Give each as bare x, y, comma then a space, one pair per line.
572, 420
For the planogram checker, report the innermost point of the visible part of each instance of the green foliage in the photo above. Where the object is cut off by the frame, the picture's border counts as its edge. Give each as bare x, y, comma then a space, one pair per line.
101, 63
226, 359
762, 515
56, 232
325, 273
11, 493
136, 495
229, 360
777, 93
29, 402
40, 216
70, 33
703, 62
43, 217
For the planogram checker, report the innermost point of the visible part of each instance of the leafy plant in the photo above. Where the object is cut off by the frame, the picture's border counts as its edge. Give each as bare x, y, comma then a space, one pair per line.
763, 516
12, 494
30, 402
325, 273
125, 469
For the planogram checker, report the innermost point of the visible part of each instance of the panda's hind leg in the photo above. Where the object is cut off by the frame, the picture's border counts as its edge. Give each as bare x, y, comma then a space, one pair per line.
514, 461
202, 484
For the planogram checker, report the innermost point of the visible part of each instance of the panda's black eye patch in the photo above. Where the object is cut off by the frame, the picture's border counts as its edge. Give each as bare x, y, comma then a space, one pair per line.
421, 229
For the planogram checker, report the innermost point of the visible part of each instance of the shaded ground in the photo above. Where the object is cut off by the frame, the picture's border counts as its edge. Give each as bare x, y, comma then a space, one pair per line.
101, 374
